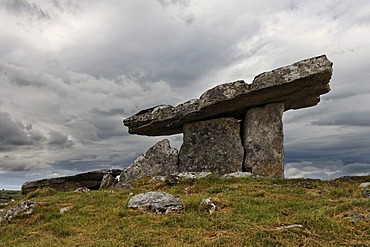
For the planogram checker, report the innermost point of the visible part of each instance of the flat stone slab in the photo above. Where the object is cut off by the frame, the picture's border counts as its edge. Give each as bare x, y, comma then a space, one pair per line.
296, 86
91, 180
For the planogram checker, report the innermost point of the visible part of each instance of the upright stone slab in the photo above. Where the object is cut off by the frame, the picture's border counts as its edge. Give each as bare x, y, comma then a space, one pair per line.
159, 160
212, 146
263, 140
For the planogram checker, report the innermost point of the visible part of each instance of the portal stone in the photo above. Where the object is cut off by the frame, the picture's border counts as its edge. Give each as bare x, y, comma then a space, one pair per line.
263, 140
212, 146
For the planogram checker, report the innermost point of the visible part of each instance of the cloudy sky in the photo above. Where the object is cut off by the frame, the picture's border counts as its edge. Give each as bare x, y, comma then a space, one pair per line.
72, 70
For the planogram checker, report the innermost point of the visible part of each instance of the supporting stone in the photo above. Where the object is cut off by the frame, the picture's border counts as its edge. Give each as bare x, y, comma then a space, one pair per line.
212, 146
263, 140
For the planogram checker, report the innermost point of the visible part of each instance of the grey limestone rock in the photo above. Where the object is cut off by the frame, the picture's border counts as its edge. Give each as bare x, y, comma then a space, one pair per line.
26, 206
296, 86
364, 185
212, 146
90, 180
237, 175
156, 202
159, 160
263, 141
107, 181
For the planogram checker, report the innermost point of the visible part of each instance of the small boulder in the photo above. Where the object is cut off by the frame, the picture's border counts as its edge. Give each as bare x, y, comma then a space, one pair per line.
156, 202
26, 206
209, 205
159, 160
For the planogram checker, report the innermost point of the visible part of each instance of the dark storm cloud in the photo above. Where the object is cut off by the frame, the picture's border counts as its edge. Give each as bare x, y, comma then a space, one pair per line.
14, 134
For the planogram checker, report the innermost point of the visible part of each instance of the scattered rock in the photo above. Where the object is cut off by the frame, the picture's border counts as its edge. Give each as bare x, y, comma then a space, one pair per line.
209, 205
89, 180
156, 202
366, 193
107, 181
26, 206
237, 175
212, 146
65, 209
364, 185
82, 190
159, 160
357, 217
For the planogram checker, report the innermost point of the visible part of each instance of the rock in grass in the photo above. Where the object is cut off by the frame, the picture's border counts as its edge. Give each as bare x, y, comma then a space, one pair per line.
26, 206
366, 193
364, 185
156, 202
208, 204
82, 190
237, 175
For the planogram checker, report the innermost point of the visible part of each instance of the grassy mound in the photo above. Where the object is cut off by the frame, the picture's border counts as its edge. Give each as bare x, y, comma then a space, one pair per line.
252, 212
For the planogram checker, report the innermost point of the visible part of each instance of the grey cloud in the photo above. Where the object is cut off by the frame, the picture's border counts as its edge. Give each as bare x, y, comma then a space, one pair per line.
326, 169
58, 140
110, 112
14, 134
21, 7
166, 3
353, 118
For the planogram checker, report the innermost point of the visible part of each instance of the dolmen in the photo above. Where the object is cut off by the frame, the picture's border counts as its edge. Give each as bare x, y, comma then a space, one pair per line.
238, 126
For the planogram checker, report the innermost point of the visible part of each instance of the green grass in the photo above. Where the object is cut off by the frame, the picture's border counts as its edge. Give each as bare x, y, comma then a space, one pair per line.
251, 212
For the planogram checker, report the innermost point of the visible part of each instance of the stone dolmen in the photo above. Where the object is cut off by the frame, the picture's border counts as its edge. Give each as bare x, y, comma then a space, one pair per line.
238, 126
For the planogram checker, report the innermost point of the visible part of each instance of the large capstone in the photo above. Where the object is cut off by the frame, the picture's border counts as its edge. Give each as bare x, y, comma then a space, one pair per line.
298, 85
159, 160
263, 141
212, 146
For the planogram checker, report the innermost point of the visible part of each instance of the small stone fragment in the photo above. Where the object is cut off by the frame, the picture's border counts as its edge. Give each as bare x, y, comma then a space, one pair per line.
82, 190
65, 209
237, 175
209, 205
